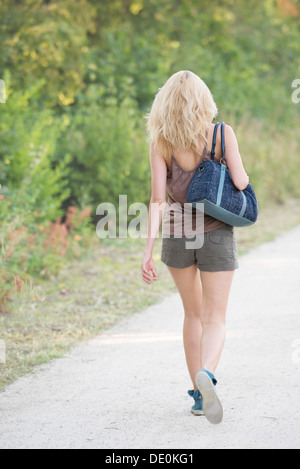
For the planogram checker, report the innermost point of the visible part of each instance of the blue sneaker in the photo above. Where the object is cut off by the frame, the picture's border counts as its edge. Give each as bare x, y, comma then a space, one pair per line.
212, 407
197, 409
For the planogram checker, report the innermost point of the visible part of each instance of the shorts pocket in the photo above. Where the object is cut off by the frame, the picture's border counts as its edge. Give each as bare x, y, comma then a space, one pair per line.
220, 245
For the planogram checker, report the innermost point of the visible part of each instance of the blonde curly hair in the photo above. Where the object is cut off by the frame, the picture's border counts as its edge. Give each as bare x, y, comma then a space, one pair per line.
180, 115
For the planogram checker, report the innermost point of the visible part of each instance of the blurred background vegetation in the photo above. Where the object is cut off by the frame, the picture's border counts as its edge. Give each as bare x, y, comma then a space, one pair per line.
80, 77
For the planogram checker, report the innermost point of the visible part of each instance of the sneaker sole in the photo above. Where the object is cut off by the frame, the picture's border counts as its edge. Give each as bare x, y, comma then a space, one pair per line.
212, 406
198, 412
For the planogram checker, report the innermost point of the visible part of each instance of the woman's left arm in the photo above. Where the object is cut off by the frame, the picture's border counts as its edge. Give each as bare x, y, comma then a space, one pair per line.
156, 211
235, 164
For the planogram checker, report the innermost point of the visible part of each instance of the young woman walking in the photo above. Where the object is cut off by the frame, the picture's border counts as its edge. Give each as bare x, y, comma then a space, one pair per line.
181, 131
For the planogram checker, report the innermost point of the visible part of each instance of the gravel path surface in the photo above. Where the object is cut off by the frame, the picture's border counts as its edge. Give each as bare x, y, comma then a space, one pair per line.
127, 387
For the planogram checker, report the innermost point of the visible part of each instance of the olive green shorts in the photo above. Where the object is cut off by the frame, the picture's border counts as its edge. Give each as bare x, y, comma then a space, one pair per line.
218, 251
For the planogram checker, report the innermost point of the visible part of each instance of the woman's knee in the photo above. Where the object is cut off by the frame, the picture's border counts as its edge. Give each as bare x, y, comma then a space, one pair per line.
194, 313
210, 317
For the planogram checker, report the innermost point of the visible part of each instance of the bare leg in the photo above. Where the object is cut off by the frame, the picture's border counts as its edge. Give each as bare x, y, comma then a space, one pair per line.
205, 305
216, 290
189, 287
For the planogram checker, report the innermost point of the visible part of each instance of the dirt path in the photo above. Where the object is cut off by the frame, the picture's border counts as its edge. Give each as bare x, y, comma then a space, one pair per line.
127, 387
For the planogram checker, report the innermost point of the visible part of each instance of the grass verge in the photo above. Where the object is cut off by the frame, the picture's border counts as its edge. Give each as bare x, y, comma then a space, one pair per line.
89, 296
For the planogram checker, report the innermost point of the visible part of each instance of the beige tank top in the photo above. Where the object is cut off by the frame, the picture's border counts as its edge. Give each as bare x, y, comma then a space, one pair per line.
180, 219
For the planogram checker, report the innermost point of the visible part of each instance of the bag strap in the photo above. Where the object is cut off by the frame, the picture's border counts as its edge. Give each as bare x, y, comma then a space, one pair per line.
223, 159
213, 150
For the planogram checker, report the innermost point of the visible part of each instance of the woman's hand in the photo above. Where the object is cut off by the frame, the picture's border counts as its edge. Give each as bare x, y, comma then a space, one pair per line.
147, 269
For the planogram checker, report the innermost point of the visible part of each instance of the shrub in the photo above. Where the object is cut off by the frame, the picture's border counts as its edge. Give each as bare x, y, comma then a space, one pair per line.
109, 152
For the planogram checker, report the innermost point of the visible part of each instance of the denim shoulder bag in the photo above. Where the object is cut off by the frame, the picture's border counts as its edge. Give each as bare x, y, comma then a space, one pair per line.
213, 187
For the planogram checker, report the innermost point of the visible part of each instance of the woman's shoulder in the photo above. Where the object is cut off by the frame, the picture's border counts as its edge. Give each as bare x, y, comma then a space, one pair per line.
229, 133
228, 129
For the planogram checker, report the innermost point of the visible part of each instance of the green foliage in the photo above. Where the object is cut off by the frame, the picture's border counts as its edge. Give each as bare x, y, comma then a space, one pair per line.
107, 146
28, 135
270, 161
33, 189
46, 40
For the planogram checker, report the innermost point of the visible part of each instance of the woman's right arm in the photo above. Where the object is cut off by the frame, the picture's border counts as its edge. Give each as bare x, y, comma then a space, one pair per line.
156, 211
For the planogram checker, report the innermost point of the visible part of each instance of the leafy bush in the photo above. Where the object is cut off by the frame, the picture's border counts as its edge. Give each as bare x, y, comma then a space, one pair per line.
108, 149
30, 181
35, 237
